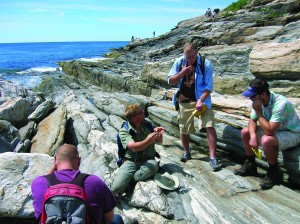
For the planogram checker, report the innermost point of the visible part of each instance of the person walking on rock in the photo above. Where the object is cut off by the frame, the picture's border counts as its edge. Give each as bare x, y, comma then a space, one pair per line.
274, 125
194, 92
139, 142
208, 13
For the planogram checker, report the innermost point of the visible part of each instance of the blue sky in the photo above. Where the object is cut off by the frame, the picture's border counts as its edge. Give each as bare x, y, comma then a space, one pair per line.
95, 20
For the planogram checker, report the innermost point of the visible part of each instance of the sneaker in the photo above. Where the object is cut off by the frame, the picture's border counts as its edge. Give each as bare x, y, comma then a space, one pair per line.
215, 165
272, 178
248, 169
186, 156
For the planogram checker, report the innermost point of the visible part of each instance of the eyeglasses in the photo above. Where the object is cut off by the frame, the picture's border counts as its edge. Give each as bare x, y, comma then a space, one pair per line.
190, 57
140, 112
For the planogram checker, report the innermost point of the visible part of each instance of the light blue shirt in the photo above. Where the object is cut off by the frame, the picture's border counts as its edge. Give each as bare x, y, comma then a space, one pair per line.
200, 83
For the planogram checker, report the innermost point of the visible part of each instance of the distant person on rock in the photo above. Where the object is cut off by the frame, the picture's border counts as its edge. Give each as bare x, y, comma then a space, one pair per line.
215, 13
273, 125
66, 169
139, 141
153, 34
208, 13
194, 93
132, 39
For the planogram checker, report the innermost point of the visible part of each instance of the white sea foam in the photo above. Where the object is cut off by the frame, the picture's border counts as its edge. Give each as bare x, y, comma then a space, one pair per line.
37, 69
95, 59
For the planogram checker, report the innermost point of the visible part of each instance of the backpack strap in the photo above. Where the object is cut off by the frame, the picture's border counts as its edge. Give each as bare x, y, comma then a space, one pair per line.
149, 125
180, 65
52, 180
125, 125
78, 180
151, 128
202, 64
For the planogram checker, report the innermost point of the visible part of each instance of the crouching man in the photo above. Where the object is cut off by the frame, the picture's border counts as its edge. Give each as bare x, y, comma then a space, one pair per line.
139, 141
274, 125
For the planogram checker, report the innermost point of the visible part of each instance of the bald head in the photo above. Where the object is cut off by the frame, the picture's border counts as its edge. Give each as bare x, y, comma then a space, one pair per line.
67, 156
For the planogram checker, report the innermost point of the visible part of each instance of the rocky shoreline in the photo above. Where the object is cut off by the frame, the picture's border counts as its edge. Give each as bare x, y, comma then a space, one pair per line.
85, 108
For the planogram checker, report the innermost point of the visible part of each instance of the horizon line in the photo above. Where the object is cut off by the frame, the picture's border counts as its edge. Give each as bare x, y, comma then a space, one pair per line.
64, 41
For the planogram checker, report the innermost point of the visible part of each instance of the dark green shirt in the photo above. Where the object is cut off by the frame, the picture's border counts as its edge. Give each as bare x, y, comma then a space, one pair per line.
131, 135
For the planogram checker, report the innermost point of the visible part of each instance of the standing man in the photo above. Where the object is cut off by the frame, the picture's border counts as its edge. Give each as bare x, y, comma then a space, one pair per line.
194, 90
274, 125
66, 168
139, 142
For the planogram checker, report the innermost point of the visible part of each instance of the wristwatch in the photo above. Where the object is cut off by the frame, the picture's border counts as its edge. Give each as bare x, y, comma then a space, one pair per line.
201, 99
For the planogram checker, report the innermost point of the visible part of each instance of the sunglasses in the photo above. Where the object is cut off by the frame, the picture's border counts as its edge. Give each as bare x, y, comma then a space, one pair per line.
190, 57
140, 112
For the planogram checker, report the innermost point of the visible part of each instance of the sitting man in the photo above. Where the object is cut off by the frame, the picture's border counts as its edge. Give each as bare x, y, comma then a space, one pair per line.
278, 129
66, 168
139, 141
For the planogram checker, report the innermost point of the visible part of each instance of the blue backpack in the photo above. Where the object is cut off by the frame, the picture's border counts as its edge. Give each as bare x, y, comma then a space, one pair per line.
121, 149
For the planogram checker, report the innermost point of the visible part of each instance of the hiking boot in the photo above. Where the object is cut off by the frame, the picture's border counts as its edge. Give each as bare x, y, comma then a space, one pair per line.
186, 156
273, 177
215, 165
248, 169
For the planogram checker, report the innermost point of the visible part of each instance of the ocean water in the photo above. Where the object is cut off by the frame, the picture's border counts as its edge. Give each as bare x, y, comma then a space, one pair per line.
26, 63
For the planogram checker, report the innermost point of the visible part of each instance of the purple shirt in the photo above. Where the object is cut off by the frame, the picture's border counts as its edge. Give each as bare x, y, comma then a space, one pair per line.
100, 198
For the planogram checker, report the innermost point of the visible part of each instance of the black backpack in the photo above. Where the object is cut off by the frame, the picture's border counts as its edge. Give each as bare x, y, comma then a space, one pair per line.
121, 149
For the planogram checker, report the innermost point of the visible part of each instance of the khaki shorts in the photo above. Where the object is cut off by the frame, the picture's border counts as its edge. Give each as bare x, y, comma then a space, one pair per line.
286, 139
186, 118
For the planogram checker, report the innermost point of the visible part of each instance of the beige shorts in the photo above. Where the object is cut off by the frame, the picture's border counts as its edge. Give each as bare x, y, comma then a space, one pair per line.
286, 139
186, 118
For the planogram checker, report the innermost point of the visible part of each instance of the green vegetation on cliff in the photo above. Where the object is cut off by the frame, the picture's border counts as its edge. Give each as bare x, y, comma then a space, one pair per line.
113, 54
236, 5
271, 13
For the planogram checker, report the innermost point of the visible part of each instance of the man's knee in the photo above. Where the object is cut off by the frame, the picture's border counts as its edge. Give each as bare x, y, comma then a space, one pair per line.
117, 188
120, 183
210, 130
268, 140
245, 132
117, 219
147, 170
